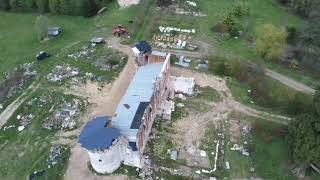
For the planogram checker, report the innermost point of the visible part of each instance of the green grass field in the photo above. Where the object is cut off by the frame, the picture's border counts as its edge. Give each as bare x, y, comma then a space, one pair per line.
269, 153
25, 152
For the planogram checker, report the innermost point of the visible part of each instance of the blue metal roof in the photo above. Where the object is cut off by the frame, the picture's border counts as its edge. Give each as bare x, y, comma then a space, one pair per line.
139, 90
96, 135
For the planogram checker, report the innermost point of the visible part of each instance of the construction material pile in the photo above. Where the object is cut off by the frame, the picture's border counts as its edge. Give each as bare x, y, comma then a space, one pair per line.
62, 72
66, 116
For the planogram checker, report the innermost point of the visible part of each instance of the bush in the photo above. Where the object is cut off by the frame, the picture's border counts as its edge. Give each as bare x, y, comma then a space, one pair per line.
219, 65
4, 4
221, 28
271, 41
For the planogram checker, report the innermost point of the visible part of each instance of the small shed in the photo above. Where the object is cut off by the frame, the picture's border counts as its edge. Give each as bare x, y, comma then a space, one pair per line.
141, 48
97, 40
42, 55
53, 31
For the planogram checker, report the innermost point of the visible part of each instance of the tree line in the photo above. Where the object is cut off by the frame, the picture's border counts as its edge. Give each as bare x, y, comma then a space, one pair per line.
308, 38
85, 8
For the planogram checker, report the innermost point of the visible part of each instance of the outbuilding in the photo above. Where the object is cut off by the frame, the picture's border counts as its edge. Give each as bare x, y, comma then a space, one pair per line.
53, 31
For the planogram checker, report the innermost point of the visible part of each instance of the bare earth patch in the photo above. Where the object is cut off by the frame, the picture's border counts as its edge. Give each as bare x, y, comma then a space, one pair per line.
104, 103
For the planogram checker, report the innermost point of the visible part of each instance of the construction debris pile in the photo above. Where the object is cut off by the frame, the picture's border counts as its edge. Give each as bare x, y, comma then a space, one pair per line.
190, 8
15, 80
56, 154
174, 38
84, 52
66, 116
110, 62
62, 72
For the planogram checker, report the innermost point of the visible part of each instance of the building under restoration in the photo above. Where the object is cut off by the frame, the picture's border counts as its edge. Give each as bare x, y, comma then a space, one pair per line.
122, 138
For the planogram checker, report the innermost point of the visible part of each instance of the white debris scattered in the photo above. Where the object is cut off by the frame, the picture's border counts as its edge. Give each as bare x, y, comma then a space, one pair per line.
251, 102
251, 169
227, 165
180, 105
174, 29
203, 153
181, 96
1, 106
216, 157
249, 91
7, 127
194, 4
198, 172
205, 171
19, 117
20, 128
183, 85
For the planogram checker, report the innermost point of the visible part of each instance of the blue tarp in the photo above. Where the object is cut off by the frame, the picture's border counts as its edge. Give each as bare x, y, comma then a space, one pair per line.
96, 135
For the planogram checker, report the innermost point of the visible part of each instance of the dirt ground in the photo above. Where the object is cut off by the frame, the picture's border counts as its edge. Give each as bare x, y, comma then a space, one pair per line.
104, 103
191, 129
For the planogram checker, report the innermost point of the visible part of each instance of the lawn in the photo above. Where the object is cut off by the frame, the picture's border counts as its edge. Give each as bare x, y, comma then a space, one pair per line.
261, 12
27, 151
19, 43
269, 153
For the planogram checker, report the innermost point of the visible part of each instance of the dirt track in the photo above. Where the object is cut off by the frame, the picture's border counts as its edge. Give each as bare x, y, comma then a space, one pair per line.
274, 75
105, 101
8, 112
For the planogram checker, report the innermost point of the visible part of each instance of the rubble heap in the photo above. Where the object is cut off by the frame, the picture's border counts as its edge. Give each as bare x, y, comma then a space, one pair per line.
62, 72
65, 117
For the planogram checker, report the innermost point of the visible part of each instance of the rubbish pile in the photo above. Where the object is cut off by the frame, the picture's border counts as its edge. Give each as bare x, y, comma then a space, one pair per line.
174, 41
26, 119
183, 62
241, 149
54, 155
174, 29
66, 116
203, 65
15, 80
183, 85
62, 72
192, 3
84, 52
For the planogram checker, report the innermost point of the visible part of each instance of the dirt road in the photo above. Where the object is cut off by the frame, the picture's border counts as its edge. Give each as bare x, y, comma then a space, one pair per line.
8, 112
290, 82
228, 103
274, 75
105, 101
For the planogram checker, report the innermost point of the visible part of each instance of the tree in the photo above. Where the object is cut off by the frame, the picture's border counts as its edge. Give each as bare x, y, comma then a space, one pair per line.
4, 4
304, 139
41, 26
271, 41
302, 7
42, 6
164, 2
85, 8
16, 5
65, 7
54, 6
219, 66
31, 4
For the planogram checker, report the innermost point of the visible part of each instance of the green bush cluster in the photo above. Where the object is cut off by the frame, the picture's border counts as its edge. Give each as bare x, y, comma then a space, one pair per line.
264, 91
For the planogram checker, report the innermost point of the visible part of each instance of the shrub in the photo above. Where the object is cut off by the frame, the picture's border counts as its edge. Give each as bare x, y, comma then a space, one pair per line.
271, 41
221, 28
219, 65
